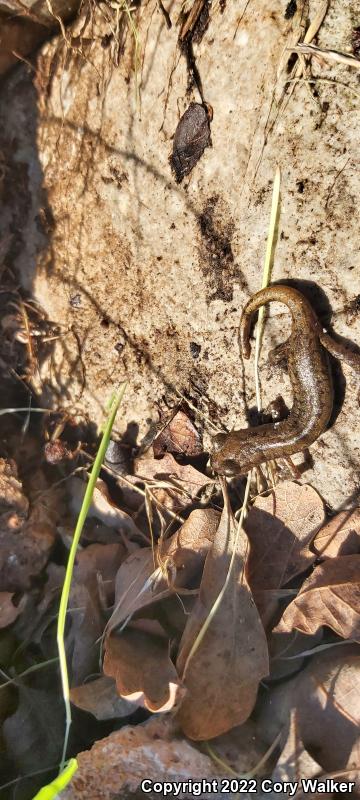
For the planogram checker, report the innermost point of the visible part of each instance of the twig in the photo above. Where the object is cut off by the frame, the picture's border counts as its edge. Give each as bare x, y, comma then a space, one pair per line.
330, 55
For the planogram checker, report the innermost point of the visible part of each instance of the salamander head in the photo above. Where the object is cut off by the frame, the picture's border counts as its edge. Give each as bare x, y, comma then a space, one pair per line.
227, 457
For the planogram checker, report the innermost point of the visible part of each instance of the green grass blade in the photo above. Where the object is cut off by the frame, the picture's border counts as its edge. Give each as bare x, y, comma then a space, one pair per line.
71, 560
52, 789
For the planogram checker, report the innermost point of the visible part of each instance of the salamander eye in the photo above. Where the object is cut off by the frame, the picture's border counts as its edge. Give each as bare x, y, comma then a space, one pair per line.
230, 468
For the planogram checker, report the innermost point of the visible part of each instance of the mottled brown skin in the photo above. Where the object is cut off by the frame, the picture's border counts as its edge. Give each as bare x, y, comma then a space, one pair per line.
237, 452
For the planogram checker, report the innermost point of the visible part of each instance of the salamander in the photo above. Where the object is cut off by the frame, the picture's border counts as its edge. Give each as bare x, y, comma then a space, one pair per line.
237, 452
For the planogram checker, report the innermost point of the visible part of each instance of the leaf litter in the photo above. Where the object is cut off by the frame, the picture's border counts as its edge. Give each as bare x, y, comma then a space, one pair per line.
222, 672
146, 633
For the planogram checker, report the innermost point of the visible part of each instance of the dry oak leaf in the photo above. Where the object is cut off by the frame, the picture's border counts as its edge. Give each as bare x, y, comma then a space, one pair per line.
191, 137
178, 436
222, 673
141, 581
102, 507
141, 666
96, 565
294, 762
100, 698
340, 537
330, 596
287, 652
280, 528
180, 483
327, 699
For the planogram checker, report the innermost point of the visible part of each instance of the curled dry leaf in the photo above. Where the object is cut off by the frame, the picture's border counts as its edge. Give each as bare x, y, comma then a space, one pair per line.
95, 566
221, 672
102, 507
141, 666
8, 611
100, 698
178, 436
180, 483
192, 135
139, 657
141, 581
280, 528
340, 537
186, 550
330, 596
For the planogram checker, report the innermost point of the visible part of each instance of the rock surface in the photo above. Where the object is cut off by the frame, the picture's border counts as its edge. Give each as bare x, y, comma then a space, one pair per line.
115, 767
147, 277
24, 25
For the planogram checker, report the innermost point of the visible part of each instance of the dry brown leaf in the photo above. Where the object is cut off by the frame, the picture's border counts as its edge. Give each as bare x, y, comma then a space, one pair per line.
186, 550
294, 761
104, 559
280, 528
327, 699
242, 748
184, 482
141, 666
102, 507
95, 566
191, 137
32, 733
340, 537
141, 581
287, 652
330, 596
38, 616
178, 436
137, 585
100, 698
9, 612
222, 674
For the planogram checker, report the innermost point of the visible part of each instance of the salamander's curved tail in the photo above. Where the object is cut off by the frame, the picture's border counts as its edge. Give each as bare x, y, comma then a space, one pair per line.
299, 307
341, 351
